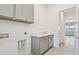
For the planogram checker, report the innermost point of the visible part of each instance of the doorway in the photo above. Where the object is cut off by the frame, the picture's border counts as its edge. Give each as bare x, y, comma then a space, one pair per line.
67, 28
70, 29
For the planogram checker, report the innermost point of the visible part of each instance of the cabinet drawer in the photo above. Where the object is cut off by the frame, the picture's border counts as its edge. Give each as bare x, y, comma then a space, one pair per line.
51, 36
43, 38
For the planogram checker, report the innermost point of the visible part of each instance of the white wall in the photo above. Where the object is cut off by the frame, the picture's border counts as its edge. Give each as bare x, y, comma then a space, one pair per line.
40, 18
16, 31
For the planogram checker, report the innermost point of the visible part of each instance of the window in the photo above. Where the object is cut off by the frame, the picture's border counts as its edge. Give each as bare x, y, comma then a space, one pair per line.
70, 28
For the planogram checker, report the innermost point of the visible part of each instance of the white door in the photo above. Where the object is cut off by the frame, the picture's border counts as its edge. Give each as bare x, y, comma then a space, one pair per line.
76, 46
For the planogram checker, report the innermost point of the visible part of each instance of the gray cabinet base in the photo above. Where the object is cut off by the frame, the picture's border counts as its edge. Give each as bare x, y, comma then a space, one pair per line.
47, 50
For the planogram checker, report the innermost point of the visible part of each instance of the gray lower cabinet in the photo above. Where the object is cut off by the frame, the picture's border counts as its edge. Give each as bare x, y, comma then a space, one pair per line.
43, 44
39, 45
50, 40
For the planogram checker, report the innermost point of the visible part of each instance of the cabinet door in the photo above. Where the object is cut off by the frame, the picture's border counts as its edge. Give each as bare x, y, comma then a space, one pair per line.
43, 44
50, 40
6, 10
24, 11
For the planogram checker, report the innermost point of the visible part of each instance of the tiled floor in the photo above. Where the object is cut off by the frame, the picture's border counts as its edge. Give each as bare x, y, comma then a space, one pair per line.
68, 50
60, 51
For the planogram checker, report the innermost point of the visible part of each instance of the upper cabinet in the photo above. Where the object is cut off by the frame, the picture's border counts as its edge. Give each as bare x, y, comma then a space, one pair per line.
6, 10
17, 12
24, 11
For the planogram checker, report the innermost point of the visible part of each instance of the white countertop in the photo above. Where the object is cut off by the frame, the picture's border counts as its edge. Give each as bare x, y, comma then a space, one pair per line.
42, 34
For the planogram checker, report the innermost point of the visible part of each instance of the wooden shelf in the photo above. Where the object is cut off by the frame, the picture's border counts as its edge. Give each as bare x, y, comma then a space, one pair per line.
15, 20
